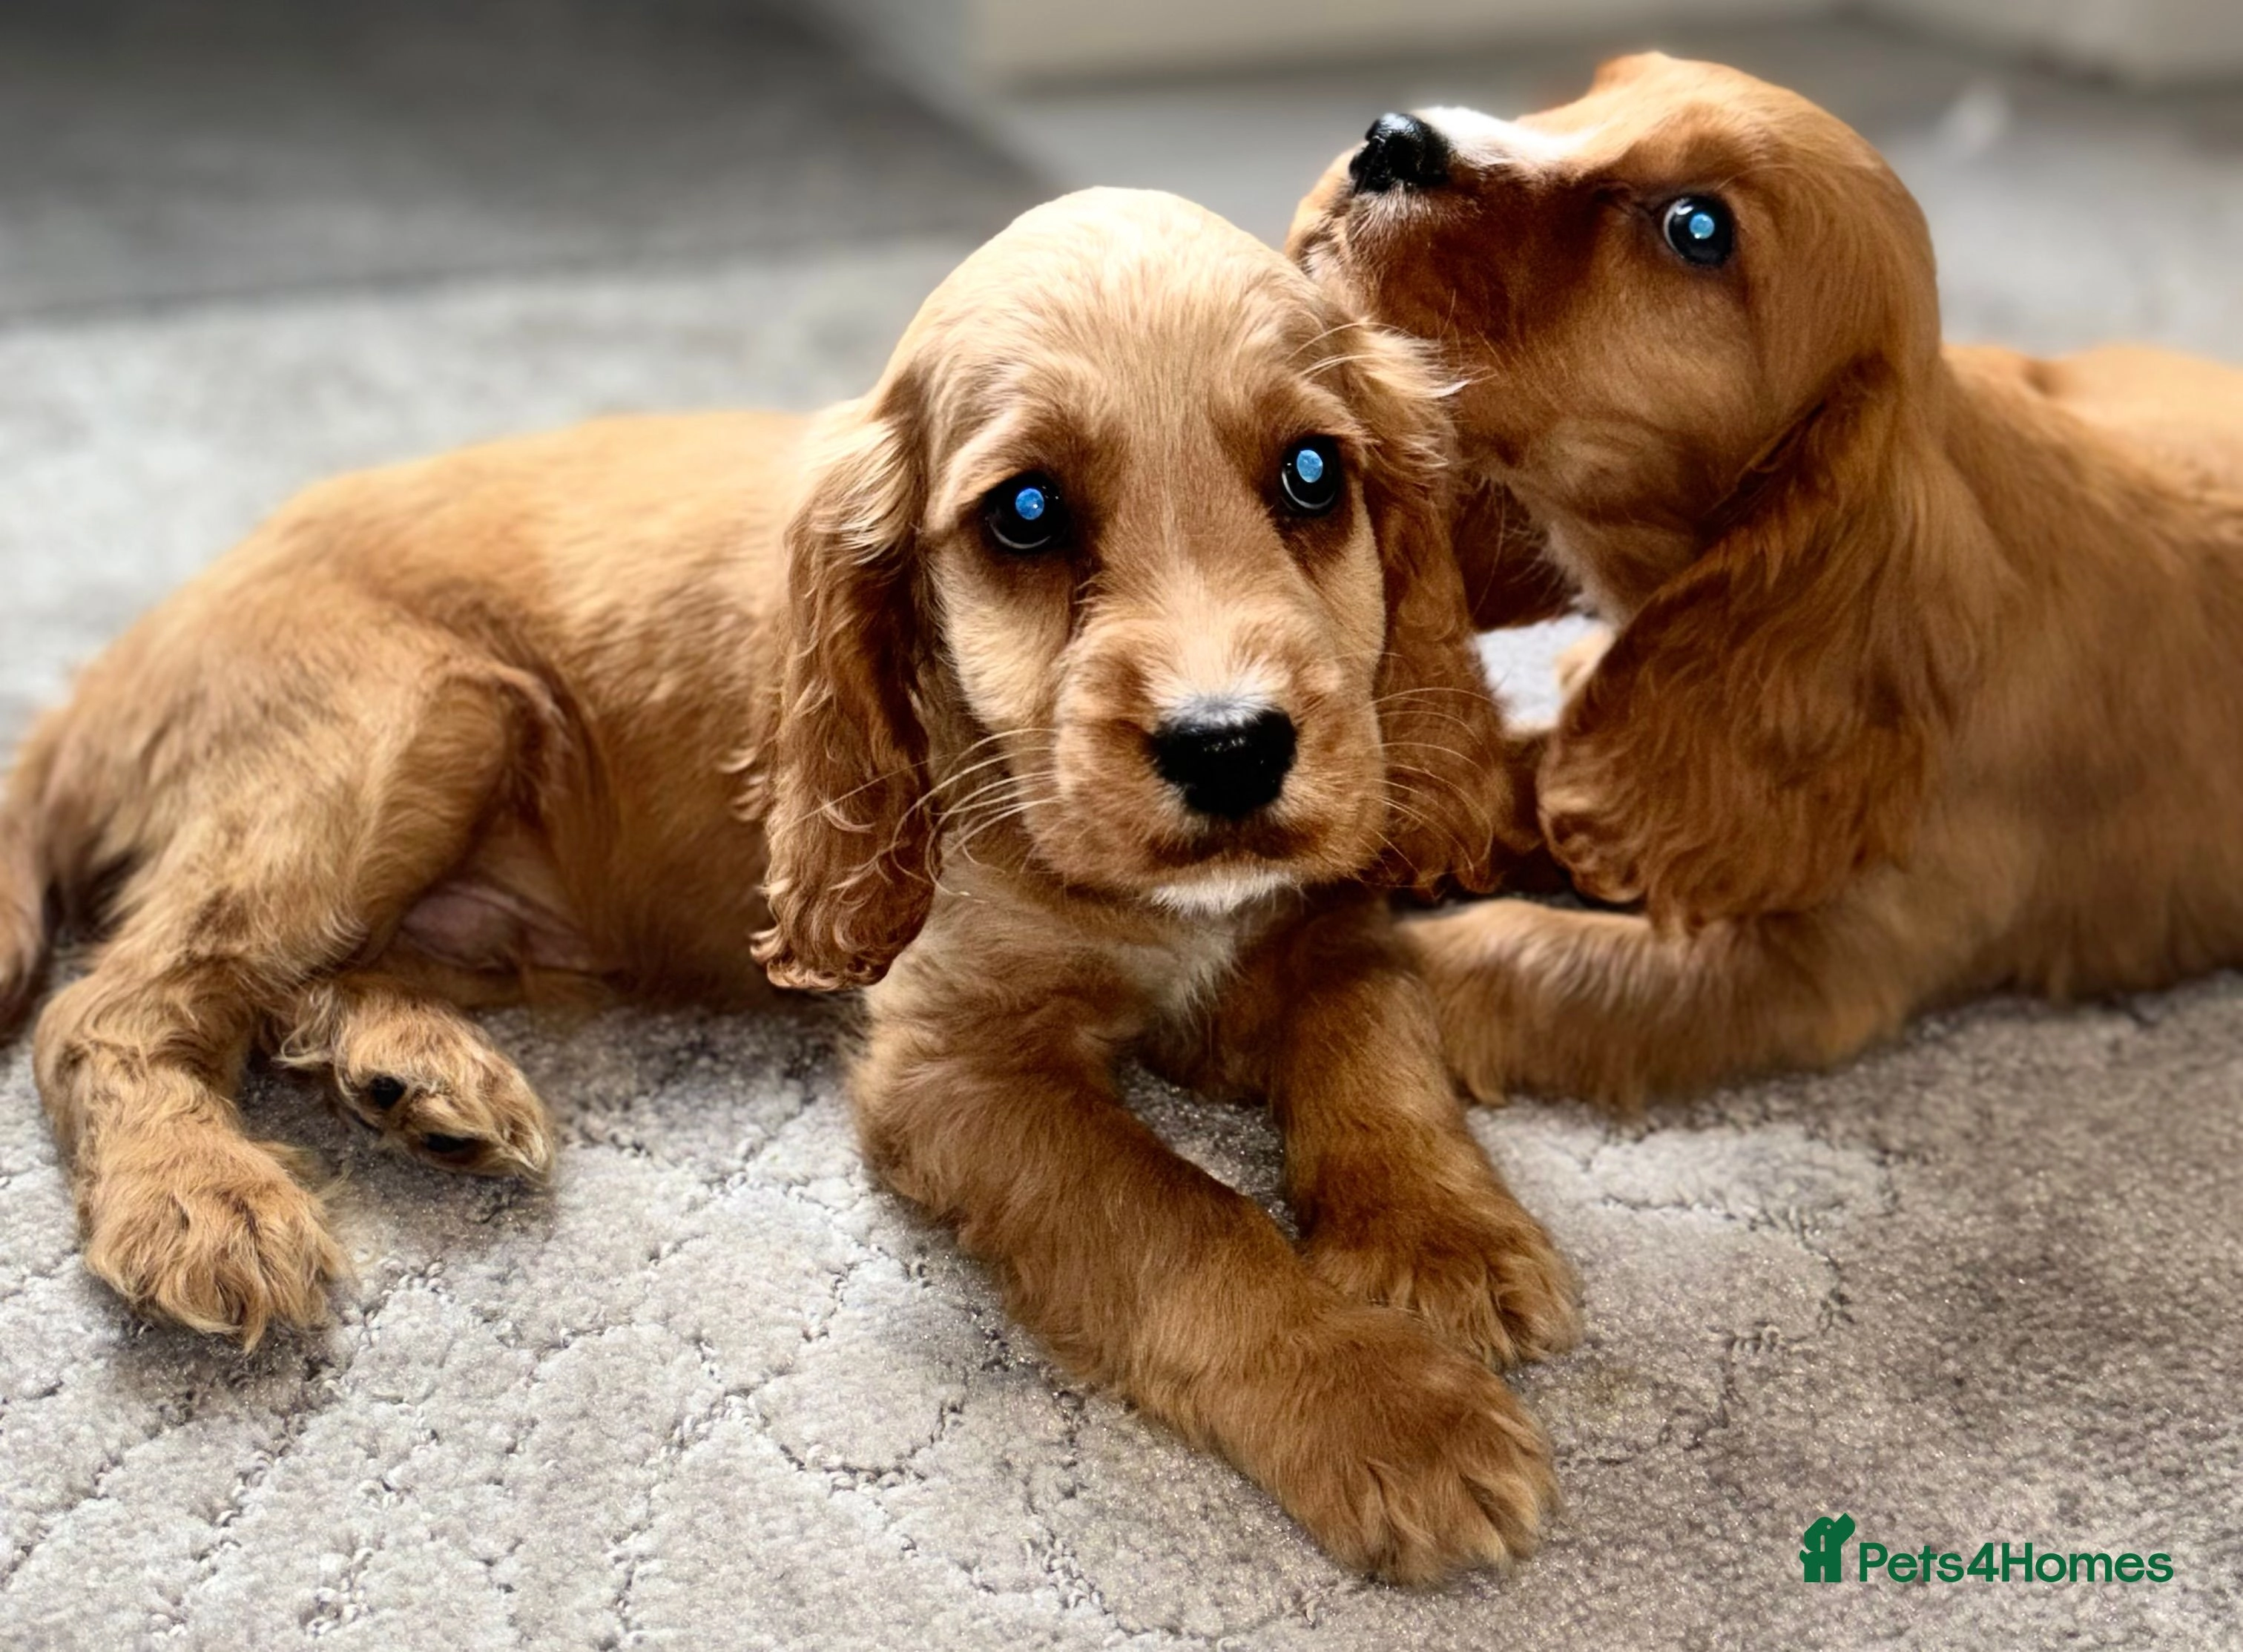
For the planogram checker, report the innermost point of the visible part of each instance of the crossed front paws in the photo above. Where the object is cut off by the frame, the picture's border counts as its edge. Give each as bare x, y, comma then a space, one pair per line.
1383, 1429
1402, 1456
1476, 1267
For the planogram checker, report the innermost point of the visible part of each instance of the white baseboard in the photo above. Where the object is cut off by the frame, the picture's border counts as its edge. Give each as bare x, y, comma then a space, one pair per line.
1023, 40
2148, 42
953, 50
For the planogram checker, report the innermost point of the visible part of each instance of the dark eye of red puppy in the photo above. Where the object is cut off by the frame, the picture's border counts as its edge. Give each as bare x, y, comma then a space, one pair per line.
1025, 515
1312, 479
1701, 230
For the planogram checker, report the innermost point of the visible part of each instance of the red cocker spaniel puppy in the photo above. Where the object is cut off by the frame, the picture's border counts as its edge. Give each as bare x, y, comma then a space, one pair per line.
1928, 677
1088, 680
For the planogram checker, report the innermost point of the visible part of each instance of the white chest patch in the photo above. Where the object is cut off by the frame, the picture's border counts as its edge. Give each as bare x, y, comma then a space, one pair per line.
1174, 980
1219, 896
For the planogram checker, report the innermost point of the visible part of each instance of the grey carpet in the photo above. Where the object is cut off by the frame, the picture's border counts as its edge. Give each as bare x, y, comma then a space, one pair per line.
714, 1390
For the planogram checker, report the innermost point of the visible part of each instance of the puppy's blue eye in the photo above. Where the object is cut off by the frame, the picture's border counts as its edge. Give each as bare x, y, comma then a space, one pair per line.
1700, 230
1311, 478
1025, 515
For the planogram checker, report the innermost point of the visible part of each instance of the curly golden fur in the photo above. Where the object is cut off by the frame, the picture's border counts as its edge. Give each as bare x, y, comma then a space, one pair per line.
543, 708
1924, 680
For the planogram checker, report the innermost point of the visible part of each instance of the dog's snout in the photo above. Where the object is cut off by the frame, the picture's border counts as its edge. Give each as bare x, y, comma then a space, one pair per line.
1400, 149
1226, 767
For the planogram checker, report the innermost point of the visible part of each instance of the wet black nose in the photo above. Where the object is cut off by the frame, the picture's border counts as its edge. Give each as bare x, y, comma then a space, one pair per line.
1400, 149
1225, 767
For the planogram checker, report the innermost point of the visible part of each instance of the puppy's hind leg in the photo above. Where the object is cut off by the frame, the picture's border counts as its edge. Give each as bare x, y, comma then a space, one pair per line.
296, 858
417, 1070
24, 925
185, 1216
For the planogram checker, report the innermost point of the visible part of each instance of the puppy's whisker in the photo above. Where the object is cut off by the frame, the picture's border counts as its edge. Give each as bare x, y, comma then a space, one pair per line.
989, 739
964, 845
816, 806
1310, 343
952, 811
934, 798
1399, 695
1446, 717
1424, 691
1450, 752
963, 775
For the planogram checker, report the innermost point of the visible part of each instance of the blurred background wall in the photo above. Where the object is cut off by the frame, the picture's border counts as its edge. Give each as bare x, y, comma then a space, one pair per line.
244, 243
954, 49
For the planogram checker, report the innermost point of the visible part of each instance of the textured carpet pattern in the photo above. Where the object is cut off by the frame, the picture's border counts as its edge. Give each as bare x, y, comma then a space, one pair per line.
714, 1390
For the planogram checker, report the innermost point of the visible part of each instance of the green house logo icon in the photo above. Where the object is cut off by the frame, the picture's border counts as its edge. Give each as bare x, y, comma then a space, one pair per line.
1823, 1560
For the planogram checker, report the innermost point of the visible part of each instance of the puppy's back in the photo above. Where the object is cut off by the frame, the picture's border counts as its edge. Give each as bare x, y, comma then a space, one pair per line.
2187, 411
624, 572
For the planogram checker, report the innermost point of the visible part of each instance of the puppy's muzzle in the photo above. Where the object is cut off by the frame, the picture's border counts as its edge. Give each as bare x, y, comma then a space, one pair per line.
1399, 150
1225, 767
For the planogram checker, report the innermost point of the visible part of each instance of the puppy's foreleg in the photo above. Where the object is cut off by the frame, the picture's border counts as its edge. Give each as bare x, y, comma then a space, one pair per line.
1398, 1453
1604, 1005
1397, 1201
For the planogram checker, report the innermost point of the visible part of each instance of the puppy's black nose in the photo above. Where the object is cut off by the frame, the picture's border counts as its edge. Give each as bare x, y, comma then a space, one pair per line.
1226, 767
1400, 149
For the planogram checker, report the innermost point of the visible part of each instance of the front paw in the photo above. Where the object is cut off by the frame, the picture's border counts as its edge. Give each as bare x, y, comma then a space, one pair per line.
1476, 1267
1402, 1456
1591, 846
214, 1235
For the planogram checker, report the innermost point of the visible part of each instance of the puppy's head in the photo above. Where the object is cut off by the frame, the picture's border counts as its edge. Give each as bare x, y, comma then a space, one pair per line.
1647, 291
1698, 325
1135, 557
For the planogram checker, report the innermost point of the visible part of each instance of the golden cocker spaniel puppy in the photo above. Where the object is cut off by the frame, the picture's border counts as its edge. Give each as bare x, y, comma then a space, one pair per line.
1928, 677
1087, 680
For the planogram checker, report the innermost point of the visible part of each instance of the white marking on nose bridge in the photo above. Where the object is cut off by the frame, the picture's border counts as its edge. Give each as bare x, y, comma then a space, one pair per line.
1200, 665
1234, 707
1208, 682
1483, 137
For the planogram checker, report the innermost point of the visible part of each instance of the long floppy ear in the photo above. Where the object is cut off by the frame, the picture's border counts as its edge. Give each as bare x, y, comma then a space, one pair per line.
852, 832
1458, 786
1771, 721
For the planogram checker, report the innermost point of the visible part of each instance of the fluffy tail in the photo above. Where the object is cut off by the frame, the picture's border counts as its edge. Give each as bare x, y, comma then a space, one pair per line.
24, 931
